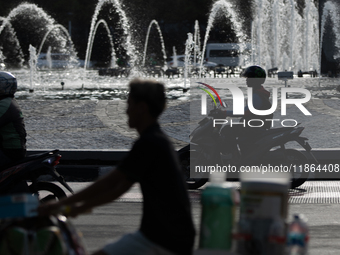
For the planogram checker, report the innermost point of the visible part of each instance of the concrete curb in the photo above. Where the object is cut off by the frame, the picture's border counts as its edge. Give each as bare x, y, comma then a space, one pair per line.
90, 164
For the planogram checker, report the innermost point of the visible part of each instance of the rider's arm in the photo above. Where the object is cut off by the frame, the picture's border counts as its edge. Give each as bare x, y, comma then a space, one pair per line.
105, 190
119, 180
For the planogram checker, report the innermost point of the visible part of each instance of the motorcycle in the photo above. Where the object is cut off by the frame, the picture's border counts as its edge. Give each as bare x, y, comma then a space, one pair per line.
30, 169
206, 148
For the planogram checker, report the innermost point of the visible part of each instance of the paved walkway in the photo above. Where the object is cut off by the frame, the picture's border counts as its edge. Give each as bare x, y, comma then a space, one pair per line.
102, 124
116, 219
311, 192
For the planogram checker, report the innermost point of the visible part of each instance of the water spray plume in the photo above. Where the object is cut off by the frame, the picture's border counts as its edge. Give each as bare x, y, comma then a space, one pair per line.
330, 10
227, 9
128, 45
154, 22
89, 52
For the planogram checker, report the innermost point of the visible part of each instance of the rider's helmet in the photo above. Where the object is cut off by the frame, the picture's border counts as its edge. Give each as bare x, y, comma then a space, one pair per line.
8, 84
256, 76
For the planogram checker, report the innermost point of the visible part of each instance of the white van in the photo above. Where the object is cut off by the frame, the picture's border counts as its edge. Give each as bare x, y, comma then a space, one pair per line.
227, 54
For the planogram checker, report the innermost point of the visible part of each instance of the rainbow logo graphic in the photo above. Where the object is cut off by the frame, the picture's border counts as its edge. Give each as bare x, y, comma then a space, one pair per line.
213, 90
204, 100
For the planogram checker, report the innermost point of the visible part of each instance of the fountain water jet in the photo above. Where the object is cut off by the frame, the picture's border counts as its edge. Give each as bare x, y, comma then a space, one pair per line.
282, 56
279, 31
42, 21
258, 23
18, 10
292, 31
311, 43
63, 29
48, 57
33, 66
11, 48
175, 64
275, 30
228, 9
130, 48
197, 42
113, 54
189, 46
329, 10
154, 22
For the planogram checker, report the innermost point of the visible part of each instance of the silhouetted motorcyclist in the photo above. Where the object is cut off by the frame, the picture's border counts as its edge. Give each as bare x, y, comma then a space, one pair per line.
256, 76
12, 127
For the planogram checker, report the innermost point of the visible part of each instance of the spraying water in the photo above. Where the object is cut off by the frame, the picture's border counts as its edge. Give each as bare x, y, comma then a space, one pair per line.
2, 57
22, 8
128, 45
41, 22
189, 46
330, 10
63, 29
275, 30
113, 61
33, 65
292, 32
258, 22
227, 9
279, 31
312, 41
175, 62
48, 57
197, 42
11, 47
113, 53
154, 22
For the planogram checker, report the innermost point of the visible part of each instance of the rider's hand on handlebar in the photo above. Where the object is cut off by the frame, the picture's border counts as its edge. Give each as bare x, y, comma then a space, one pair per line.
48, 208
55, 208
218, 114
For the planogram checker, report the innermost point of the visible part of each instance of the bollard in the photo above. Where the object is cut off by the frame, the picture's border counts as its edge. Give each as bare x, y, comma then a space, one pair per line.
218, 214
